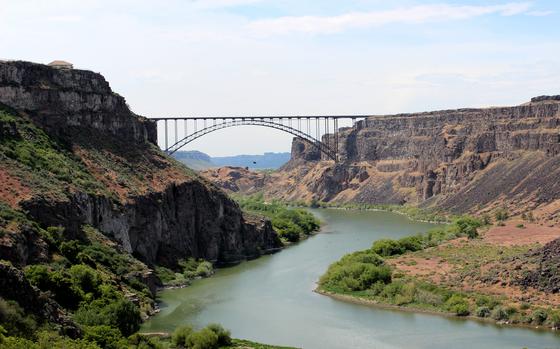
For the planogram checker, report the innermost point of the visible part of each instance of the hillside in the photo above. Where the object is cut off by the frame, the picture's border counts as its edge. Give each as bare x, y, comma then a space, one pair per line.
194, 159
89, 206
465, 160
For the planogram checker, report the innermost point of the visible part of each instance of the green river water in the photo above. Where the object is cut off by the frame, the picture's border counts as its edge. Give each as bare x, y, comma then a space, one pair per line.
270, 299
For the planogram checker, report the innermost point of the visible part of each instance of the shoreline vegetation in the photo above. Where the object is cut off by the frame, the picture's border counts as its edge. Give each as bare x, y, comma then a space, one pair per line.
292, 223
370, 277
413, 213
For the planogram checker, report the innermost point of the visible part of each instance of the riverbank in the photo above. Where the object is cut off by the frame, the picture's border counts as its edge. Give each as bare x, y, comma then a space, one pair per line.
479, 278
165, 338
270, 299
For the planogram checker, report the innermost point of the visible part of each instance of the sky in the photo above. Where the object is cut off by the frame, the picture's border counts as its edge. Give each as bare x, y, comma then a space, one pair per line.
293, 57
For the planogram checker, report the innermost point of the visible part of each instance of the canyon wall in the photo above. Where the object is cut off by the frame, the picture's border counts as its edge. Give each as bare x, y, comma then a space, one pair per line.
111, 176
465, 160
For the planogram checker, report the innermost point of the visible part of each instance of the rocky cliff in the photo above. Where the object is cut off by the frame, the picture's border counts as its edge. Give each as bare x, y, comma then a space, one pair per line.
466, 160
73, 154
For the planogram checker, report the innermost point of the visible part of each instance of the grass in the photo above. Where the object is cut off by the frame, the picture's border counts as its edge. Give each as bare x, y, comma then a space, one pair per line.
291, 224
40, 162
469, 260
411, 212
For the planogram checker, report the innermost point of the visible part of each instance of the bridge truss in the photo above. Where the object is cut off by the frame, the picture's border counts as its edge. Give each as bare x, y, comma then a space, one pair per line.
321, 132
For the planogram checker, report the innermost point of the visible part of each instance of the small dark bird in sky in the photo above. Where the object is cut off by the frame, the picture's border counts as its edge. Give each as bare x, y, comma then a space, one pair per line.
254, 162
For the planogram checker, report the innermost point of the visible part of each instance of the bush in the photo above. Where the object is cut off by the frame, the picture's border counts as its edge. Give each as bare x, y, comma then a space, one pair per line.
204, 269
499, 314
412, 243
501, 214
554, 319
60, 283
387, 247
539, 316
467, 226
489, 302
483, 311
290, 224
203, 339
180, 335
356, 272
105, 336
14, 321
51, 340
224, 336
71, 249
85, 278
119, 313
458, 304
165, 275
138, 341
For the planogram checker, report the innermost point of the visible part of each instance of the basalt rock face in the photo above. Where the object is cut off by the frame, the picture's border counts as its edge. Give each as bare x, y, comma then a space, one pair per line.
157, 210
456, 159
63, 100
462, 160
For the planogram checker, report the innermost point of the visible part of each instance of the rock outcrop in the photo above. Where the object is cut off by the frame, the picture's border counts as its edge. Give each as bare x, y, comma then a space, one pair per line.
69, 100
119, 182
461, 160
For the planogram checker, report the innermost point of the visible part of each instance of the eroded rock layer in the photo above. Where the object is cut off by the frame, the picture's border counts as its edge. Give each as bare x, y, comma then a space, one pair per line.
111, 175
462, 160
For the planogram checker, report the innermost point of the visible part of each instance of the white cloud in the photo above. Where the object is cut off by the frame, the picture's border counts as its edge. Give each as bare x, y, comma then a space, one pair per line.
65, 19
222, 3
540, 13
410, 15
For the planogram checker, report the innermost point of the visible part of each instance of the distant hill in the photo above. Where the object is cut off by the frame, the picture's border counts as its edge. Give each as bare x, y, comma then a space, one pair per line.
195, 159
200, 161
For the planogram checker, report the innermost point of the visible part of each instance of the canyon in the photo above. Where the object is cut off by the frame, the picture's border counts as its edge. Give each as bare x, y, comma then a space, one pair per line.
154, 207
460, 161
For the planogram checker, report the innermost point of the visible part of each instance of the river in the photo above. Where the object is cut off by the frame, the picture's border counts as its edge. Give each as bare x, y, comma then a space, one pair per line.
270, 299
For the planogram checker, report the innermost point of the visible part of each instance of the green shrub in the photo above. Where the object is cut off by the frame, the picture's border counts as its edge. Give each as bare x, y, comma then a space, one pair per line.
554, 318
483, 311
467, 226
501, 214
181, 334
412, 243
290, 224
356, 272
486, 301
86, 278
166, 275
539, 316
204, 269
119, 313
14, 321
138, 341
458, 304
224, 336
71, 249
387, 247
60, 283
203, 339
499, 314
50, 340
105, 336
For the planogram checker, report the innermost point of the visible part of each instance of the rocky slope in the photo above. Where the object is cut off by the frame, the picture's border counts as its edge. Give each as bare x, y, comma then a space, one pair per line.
466, 160
73, 154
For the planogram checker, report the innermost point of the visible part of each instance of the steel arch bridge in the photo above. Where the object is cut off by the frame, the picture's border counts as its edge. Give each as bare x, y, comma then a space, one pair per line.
321, 132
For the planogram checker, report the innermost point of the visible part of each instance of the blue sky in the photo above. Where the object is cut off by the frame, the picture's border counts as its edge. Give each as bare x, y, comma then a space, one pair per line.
232, 57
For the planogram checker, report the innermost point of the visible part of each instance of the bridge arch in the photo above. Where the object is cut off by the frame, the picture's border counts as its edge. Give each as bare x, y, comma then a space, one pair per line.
324, 148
